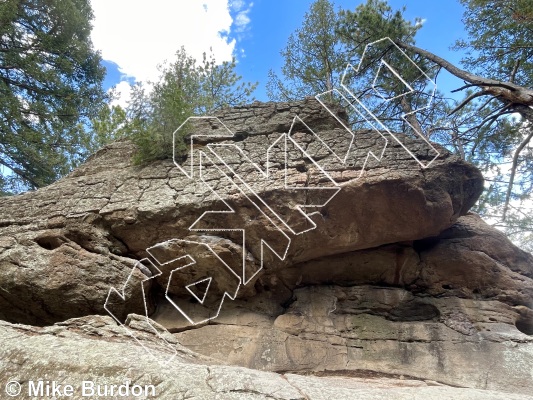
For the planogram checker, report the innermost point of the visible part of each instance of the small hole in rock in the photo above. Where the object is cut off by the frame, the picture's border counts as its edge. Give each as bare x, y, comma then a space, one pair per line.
525, 325
447, 287
413, 311
50, 242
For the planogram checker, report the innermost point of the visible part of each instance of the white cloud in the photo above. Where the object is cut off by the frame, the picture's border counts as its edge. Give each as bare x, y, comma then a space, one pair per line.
123, 93
139, 35
242, 20
237, 5
420, 22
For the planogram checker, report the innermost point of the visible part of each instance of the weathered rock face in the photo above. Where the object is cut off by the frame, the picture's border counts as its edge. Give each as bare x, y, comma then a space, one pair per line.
447, 308
94, 349
104, 354
86, 231
383, 272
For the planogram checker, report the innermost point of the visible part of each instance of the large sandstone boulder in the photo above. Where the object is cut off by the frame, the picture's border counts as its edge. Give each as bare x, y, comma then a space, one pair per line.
370, 274
63, 246
455, 308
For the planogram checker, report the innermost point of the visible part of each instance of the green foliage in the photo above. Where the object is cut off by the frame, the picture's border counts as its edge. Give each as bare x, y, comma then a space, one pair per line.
185, 88
313, 58
499, 44
491, 127
110, 124
316, 56
370, 22
155, 116
219, 86
50, 84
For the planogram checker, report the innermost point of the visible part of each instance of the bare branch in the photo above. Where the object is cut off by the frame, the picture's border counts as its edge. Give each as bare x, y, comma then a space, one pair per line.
506, 109
505, 91
467, 100
495, 115
514, 71
463, 87
513, 172
410, 117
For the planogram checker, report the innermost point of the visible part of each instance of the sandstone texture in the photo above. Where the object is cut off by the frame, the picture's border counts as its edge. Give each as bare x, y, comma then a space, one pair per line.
343, 275
95, 349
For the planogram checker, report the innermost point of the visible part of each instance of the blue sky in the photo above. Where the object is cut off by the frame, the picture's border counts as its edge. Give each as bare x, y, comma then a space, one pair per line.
134, 38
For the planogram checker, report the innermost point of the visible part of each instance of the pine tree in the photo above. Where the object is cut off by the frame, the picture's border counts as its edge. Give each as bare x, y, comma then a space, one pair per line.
185, 88
50, 84
313, 58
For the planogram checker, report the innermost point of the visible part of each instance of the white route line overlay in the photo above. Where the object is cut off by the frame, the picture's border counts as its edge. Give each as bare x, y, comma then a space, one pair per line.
239, 182
377, 121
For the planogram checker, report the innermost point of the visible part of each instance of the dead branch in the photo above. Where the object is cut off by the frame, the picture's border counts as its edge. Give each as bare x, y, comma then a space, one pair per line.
514, 71
513, 172
504, 91
467, 100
